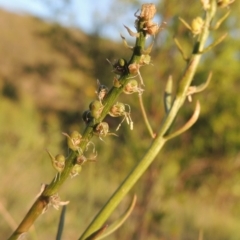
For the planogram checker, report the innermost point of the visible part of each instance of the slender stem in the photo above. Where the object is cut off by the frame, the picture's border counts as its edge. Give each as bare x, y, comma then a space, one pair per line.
147, 123
159, 141
43, 200
127, 184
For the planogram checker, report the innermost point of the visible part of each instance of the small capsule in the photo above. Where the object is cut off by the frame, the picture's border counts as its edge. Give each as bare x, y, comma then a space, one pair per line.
96, 108
74, 140
58, 163
75, 170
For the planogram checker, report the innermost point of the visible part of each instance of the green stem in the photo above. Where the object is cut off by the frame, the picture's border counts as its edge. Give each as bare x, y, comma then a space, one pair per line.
51, 189
159, 141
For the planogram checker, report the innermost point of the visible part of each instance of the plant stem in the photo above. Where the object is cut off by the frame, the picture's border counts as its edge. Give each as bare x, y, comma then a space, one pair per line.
43, 200
159, 141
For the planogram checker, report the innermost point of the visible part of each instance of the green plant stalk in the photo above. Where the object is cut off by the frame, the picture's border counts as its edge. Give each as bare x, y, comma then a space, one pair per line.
43, 200
159, 141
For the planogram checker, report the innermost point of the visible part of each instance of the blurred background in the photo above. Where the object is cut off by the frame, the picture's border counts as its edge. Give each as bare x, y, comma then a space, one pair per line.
52, 53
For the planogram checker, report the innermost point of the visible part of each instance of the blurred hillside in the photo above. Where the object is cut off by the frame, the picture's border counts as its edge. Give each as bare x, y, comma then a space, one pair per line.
48, 78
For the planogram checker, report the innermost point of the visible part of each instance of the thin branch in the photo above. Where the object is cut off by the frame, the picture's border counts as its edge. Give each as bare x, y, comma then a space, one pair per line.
145, 118
188, 124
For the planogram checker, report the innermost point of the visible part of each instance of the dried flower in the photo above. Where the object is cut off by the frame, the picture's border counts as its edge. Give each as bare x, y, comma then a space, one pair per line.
56, 202
151, 28
148, 11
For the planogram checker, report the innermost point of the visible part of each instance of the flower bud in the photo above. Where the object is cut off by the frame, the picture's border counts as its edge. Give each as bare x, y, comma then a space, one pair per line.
74, 140
59, 162
96, 108
197, 25
75, 170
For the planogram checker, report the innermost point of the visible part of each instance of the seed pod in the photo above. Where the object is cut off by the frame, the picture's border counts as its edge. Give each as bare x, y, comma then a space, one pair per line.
96, 108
